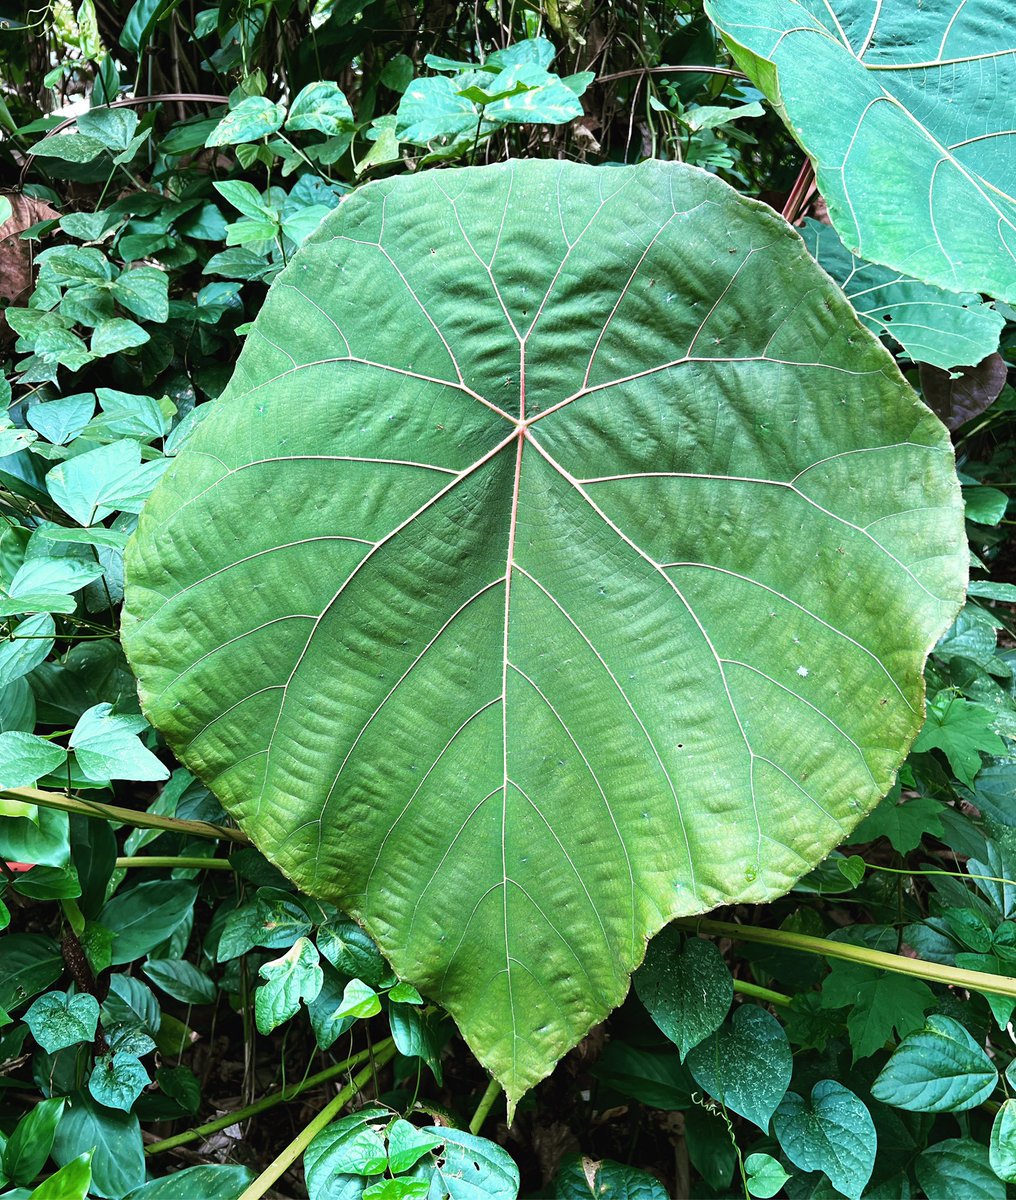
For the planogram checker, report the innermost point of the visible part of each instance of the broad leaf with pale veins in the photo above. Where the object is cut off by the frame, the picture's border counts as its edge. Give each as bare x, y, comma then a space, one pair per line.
562, 558
906, 111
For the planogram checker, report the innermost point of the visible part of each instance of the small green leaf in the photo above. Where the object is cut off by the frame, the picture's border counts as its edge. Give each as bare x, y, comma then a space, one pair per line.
106, 746
746, 1064
253, 118
359, 1000
117, 1080
686, 989
940, 1068
144, 291
24, 758
71, 147
407, 1145
71, 1182
880, 1003
852, 869
765, 1175
397, 1189
29, 1145
353, 952
355, 1145
294, 977
44, 584
963, 731
110, 337
58, 1020
984, 505
323, 107
903, 824
832, 1133
405, 993
91, 486
31, 963
62, 420
28, 645
115, 127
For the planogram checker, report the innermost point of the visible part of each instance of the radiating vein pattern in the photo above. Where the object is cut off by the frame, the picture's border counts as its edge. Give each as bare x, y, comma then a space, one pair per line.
916, 152
562, 558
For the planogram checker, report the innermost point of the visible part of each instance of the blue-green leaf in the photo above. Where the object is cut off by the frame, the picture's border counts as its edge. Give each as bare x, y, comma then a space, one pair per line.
940, 1068
832, 1133
746, 1065
58, 1020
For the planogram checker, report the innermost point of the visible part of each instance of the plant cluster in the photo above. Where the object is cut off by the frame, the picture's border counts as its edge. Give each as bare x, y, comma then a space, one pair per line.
176, 1018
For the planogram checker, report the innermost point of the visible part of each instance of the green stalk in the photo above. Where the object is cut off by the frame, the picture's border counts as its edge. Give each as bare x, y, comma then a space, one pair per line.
284, 1096
168, 860
484, 1107
978, 981
124, 816
743, 988
304, 1138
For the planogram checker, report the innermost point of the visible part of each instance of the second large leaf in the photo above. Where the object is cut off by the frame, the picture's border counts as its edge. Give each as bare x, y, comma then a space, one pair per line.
562, 558
906, 109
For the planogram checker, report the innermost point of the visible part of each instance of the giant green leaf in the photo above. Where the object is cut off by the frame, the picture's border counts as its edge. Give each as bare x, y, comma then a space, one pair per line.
906, 111
580, 579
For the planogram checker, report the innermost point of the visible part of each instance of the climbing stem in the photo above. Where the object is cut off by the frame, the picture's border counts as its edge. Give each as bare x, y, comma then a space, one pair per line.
484, 1107
194, 862
124, 816
977, 981
267, 1102
281, 1164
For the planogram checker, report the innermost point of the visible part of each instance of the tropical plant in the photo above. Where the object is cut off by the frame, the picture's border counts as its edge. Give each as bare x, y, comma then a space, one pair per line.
168, 997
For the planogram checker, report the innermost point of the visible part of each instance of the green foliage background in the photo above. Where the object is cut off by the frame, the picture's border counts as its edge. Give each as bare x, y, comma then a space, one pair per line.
140, 1000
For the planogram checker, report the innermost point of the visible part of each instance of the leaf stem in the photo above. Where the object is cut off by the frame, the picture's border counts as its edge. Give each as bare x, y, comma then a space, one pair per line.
303, 1139
743, 988
193, 862
283, 1096
125, 816
978, 981
484, 1107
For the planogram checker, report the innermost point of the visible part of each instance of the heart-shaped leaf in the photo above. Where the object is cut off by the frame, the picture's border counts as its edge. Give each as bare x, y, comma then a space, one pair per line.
934, 83
598, 550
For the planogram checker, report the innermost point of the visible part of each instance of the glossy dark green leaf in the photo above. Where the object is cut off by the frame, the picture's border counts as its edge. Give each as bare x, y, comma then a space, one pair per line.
118, 1161
143, 916
31, 1141
459, 502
